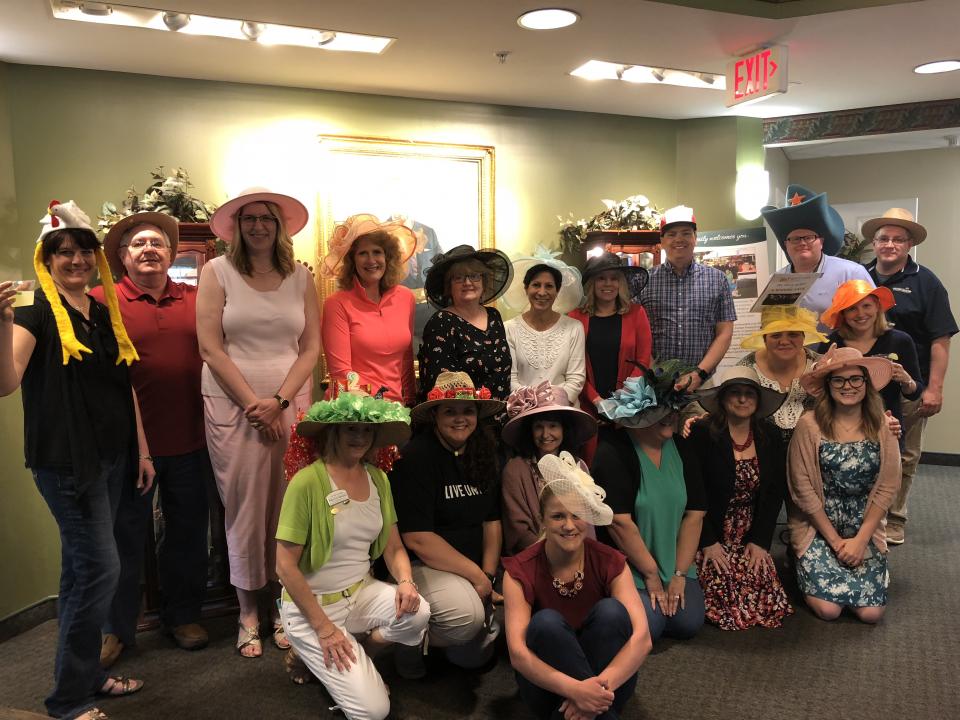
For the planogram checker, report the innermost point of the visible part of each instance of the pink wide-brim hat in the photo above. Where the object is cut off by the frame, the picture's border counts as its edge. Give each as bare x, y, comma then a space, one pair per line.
294, 212
527, 402
880, 369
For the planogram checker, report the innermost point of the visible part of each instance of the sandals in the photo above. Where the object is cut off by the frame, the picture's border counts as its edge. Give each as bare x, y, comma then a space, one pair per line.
93, 714
297, 670
280, 635
249, 637
119, 686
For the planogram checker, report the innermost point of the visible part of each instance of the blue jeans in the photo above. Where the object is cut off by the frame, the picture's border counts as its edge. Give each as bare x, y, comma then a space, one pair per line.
182, 552
580, 655
685, 623
89, 571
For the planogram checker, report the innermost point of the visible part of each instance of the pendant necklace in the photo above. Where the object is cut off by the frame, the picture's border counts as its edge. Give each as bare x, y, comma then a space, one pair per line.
576, 583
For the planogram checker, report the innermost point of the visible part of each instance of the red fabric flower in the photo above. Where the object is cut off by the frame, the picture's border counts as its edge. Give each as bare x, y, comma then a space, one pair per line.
435, 394
484, 393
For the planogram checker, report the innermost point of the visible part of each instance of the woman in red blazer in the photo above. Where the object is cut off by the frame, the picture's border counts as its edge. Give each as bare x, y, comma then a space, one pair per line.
617, 330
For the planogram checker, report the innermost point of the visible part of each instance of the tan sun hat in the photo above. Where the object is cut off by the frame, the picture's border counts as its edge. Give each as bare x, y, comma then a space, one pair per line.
111, 241
457, 387
900, 218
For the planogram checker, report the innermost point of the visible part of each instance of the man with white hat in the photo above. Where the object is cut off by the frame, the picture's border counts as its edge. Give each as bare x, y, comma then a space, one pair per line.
160, 316
689, 304
923, 312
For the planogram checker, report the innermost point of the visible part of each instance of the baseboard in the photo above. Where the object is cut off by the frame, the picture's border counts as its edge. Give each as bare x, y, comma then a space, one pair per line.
936, 458
28, 618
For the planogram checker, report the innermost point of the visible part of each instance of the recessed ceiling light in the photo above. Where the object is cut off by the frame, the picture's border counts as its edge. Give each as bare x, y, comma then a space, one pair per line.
940, 66
547, 19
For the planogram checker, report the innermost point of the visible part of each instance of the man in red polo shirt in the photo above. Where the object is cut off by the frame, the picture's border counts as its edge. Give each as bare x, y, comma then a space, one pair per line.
160, 317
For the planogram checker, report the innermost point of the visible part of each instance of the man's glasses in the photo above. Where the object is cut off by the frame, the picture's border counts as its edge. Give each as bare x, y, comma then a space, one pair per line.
140, 244
461, 279
251, 220
803, 240
854, 381
884, 240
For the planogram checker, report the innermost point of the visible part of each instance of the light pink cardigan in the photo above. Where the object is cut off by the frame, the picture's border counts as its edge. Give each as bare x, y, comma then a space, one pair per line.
806, 484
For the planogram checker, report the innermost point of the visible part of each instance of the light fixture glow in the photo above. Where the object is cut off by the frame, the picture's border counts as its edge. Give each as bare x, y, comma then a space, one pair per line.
752, 191
547, 19
598, 70
232, 28
940, 66
595, 252
639, 74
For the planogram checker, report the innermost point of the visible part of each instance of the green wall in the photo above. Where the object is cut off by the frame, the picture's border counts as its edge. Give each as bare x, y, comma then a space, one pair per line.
105, 131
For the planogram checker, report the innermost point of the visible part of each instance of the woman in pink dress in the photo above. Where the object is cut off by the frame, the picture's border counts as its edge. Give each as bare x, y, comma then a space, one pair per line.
258, 329
367, 324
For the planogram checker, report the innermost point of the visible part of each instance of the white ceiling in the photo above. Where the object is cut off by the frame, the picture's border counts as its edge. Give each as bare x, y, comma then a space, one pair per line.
446, 49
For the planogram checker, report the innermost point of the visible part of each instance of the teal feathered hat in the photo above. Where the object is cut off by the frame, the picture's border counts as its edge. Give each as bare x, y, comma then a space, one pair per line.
647, 399
806, 209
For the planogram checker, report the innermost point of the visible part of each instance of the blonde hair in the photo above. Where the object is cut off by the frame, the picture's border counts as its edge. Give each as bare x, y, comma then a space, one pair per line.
470, 265
623, 301
395, 270
871, 407
327, 438
880, 324
283, 260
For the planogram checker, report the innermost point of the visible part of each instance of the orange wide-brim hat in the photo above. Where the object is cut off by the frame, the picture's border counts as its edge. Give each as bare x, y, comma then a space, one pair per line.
849, 294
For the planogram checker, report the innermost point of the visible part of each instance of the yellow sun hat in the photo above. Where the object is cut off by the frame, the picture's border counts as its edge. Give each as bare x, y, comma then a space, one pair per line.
785, 318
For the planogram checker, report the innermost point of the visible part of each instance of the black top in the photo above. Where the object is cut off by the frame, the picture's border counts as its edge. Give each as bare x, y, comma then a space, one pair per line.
431, 495
454, 344
922, 310
719, 478
603, 349
892, 342
79, 415
616, 468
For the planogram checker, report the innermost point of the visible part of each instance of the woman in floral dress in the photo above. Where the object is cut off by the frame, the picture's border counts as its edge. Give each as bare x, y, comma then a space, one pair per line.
743, 460
843, 473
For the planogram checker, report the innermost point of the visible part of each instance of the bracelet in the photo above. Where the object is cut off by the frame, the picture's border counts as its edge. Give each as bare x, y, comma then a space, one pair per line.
146, 457
409, 581
490, 576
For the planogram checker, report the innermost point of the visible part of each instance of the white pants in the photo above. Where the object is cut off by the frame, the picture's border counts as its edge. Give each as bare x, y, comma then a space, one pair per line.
359, 692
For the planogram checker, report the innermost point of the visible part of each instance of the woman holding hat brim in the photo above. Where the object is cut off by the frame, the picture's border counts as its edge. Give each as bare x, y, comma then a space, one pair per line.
843, 474
464, 335
858, 321
69, 355
337, 518
259, 335
446, 487
576, 630
542, 422
743, 460
616, 330
546, 345
367, 324
655, 488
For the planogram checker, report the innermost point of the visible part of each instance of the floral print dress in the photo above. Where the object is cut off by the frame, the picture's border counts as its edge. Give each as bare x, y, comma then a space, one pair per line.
454, 344
740, 599
849, 472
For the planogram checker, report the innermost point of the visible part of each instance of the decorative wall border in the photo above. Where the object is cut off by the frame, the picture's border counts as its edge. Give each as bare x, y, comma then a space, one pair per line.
858, 122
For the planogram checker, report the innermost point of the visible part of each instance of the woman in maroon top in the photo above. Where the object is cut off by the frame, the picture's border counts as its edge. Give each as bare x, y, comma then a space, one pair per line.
576, 629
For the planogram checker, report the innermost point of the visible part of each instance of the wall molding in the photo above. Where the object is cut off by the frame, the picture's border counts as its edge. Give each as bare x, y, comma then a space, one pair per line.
858, 122
937, 458
28, 618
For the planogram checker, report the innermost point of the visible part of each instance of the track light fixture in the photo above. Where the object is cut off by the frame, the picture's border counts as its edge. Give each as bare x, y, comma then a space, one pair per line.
176, 21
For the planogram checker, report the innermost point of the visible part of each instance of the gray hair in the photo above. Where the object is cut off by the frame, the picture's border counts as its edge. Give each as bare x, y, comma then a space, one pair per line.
134, 229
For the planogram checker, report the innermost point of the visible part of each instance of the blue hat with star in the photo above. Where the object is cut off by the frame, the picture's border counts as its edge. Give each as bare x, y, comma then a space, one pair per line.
806, 209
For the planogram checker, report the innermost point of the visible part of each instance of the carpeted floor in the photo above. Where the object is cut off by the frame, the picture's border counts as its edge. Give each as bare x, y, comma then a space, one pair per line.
907, 667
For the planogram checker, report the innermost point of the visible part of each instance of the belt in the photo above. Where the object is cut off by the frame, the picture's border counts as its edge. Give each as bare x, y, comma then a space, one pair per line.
331, 598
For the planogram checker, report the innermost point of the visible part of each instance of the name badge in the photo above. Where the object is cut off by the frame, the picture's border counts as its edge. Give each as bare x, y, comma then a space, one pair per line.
336, 499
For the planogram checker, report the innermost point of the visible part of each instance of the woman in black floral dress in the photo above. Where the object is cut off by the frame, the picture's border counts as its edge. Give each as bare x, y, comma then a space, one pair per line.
464, 335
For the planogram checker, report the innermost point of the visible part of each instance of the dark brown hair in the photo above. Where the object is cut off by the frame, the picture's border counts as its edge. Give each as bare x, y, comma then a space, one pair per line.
83, 239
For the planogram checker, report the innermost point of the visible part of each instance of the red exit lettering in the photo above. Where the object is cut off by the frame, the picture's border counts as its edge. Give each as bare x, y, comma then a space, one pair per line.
753, 74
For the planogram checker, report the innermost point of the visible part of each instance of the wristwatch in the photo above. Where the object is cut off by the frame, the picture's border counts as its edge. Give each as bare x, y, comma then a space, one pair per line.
704, 375
679, 573
284, 404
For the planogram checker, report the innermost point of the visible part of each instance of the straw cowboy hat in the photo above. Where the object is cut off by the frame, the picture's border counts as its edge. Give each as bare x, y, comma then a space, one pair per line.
111, 241
806, 209
880, 369
769, 400
293, 211
346, 233
574, 488
456, 387
497, 263
525, 403
784, 318
849, 294
900, 218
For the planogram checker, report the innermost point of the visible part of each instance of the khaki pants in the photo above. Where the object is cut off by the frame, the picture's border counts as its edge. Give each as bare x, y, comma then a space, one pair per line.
913, 426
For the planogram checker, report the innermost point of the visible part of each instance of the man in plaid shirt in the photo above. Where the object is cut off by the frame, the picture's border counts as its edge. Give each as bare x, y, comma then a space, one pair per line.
689, 304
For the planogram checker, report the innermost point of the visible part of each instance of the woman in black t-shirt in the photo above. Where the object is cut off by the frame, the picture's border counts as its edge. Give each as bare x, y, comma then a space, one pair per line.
446, 491
65, 351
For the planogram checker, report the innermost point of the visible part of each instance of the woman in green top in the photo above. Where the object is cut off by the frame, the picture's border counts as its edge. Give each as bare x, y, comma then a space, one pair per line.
657, 496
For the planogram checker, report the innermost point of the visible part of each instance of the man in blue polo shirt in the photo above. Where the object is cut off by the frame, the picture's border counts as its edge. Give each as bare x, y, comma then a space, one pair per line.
923, 312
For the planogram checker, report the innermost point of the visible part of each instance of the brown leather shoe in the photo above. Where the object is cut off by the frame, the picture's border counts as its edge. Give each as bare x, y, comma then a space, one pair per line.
895, 535
190, 636
110, 650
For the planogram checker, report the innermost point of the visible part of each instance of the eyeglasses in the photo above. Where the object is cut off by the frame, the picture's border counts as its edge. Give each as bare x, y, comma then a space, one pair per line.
854, 381
251, 220
85, 253
155, 243
474, 278
884, 240
803, 240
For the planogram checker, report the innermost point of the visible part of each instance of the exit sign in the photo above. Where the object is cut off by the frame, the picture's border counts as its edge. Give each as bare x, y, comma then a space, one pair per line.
756, 76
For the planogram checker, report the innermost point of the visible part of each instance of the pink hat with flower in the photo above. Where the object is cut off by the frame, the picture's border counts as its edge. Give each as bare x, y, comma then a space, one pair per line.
355, 226
526, 402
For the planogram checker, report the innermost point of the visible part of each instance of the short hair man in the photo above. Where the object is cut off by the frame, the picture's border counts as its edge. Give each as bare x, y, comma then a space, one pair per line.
810, 232
689, 304
923, 312
160, 316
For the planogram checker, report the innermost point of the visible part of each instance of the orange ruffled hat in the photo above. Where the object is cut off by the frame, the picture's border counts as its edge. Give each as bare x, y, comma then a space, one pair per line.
849, 294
